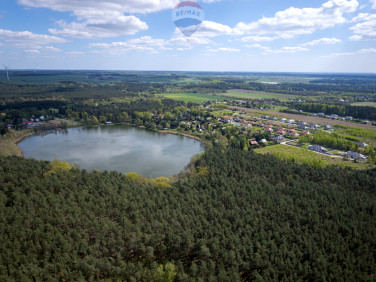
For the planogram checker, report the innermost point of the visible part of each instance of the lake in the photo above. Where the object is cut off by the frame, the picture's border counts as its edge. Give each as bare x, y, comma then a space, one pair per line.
119, 148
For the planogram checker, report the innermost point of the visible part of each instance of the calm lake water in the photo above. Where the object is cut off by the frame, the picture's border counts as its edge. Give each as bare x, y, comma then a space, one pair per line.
118, 148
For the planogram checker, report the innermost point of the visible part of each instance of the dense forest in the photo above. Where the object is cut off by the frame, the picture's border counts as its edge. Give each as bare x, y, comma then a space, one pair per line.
231, 216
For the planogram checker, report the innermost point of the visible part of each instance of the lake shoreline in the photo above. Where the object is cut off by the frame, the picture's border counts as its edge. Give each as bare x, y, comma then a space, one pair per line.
17, 151
9, 144
181, 134
116, 148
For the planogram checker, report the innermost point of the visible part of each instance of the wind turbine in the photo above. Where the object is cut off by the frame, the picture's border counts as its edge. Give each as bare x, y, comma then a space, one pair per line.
6, 69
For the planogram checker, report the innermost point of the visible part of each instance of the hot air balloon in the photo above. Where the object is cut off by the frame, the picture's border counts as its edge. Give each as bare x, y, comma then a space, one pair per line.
187, 17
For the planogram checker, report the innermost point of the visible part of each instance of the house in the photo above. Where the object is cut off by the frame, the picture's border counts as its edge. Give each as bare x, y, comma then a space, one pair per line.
30, 124
317, 148
263, 141
269, 128
273, 118
354, 155
227, 119
291, 121
291, 130
302, 123
361, 144
253, 143
333, 116
280, 128
108, 122
303, 127
321, 114
260, 124
328, 127
281, 132
366, 122
283, 120
293, 134
279, 138
305, 133
313, 126
348, 118
265, 117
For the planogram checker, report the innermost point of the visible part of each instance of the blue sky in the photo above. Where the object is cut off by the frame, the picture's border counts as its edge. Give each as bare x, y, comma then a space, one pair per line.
242, 35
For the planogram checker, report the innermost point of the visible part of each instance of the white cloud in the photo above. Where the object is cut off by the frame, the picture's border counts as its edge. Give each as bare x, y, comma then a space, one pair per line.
101, 18
98, 28
52, 49
294, 21
259, 46
360, 17
147, 43
373, 3
84, 9
24, 39
255, 38
32, 51
212, 29
366, 29
224, 49
322, 41
268, 50
367, 51
285, 50
74, 53
362, 51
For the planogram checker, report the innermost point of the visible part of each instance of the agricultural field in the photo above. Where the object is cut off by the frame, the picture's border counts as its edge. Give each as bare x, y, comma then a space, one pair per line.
192, 97
250, 94
304, 156
308, 119
365, 104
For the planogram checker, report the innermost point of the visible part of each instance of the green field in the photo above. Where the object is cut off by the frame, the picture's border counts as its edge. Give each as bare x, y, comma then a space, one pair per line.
365, 104
259, 94
192, 97
304, 156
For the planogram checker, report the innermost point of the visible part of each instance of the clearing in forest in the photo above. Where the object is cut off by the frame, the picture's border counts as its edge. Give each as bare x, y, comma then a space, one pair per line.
251, 94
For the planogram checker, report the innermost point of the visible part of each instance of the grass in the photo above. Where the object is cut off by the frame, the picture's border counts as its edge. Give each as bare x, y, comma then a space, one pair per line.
192, 97
356, 131
365, 104
8, 142
304, 156
258, 94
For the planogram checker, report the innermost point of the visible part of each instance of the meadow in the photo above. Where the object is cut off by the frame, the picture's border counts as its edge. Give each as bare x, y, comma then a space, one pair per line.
364, 104
192, 97
304, 156
250, 94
